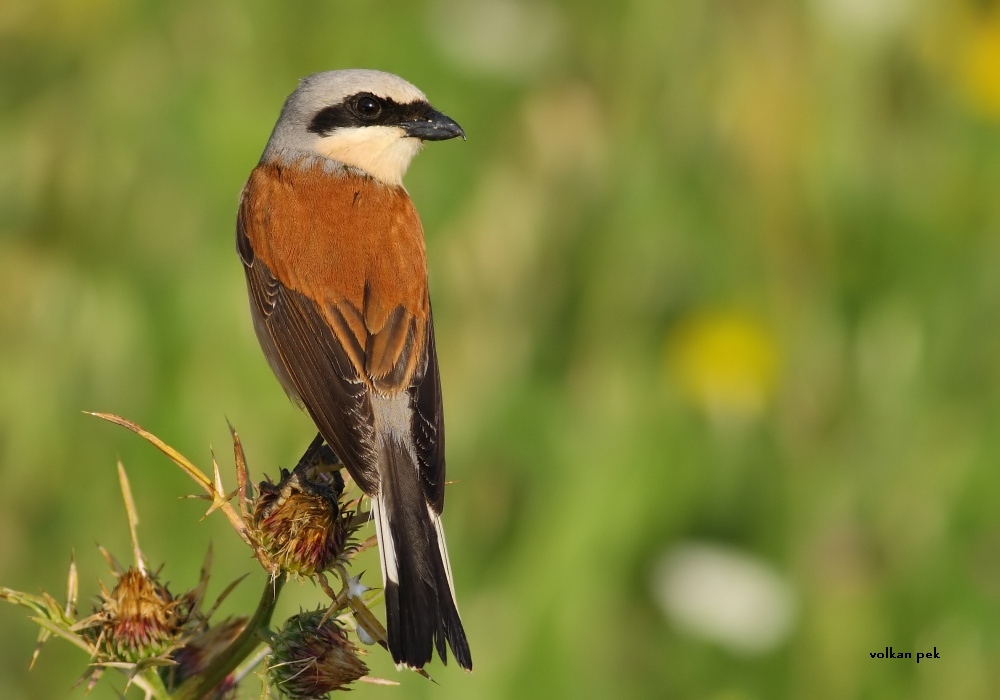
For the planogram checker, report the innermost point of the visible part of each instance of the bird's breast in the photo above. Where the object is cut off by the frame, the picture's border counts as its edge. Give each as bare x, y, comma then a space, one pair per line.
338, 236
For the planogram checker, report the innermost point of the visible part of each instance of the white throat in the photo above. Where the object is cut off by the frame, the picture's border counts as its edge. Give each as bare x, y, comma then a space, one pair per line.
384, 152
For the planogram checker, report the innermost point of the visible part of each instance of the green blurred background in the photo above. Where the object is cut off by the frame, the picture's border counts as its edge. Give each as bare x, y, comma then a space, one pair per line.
719, 272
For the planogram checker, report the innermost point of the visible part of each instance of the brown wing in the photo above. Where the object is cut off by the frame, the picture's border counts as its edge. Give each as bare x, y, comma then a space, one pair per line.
322, 375
337, 281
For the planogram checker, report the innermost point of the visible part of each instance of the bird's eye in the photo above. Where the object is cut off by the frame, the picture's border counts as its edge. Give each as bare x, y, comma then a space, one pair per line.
367, 107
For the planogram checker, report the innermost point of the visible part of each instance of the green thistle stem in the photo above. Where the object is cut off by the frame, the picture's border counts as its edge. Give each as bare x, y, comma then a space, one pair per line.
158, 689
201, 685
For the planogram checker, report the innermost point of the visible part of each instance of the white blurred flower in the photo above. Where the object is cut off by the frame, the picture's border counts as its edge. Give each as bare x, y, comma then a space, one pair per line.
874, 18
726, 596
497, 37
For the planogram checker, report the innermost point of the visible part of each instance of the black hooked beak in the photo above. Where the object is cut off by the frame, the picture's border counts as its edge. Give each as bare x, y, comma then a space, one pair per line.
431, 125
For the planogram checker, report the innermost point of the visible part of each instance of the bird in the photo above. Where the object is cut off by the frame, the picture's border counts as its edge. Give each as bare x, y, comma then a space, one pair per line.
336, 270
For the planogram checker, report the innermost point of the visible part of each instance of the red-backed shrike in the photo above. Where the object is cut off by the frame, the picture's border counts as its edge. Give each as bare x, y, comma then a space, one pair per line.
334, 257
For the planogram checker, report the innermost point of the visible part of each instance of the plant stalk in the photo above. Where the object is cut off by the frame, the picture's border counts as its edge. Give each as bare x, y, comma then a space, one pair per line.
202, 684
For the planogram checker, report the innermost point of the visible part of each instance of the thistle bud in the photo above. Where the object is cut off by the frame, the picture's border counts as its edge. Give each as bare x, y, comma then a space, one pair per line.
138, 620
311, 657
201, 649
298, 523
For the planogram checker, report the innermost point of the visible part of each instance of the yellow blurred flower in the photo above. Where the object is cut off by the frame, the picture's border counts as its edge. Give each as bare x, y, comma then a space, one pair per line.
980, 66
726, 363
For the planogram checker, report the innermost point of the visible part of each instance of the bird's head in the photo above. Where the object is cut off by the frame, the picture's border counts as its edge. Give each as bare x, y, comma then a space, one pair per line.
366, 119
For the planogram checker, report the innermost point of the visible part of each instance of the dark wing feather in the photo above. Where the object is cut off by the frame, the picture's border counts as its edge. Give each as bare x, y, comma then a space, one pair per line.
320, 369
428, 425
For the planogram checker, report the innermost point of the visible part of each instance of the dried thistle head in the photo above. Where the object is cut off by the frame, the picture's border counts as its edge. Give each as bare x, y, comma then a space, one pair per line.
312, 656
138, 619
303, 525
298, 521
200, 650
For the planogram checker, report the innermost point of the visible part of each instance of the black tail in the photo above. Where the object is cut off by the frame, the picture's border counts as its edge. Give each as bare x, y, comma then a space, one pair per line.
420, 608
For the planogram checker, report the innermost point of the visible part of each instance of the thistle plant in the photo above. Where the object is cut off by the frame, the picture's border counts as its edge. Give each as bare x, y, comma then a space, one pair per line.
313, 656
166, 643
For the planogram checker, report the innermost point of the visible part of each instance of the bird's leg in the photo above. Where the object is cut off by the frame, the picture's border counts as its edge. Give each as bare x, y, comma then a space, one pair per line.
311, 455
320, 465
328, 459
